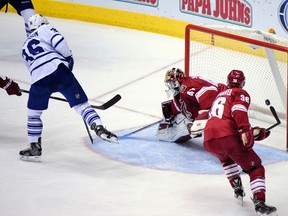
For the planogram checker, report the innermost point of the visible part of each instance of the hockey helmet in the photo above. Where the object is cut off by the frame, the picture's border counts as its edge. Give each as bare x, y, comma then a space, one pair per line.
236, 78
173, 79
36, 21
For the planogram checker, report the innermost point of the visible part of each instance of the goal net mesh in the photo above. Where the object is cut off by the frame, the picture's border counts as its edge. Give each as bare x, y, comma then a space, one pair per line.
212, 51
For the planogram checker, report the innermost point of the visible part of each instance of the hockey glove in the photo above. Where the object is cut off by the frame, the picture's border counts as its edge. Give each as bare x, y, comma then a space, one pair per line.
70, 61
11, 87
260, 133
247, 136
167, 110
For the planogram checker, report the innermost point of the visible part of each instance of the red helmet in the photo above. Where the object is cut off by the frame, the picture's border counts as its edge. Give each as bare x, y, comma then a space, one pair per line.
173, 79
236, 78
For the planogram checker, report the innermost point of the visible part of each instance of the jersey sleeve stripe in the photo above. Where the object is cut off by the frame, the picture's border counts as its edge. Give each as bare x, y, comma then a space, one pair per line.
204, 90
239, 107
58, 42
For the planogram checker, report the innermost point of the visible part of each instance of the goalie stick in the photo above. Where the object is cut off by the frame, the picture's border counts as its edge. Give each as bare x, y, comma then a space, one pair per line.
104, 106
142, 128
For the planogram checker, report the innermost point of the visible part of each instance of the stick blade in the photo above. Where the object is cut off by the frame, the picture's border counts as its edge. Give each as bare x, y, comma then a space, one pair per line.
274, 113
109, 103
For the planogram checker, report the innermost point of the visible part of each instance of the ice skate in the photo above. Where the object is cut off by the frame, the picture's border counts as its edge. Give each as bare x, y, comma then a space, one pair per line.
104, 134
262, 209
238, 190
33, 153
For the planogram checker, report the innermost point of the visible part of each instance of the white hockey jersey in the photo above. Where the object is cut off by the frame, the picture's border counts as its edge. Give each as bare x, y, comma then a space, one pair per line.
43, 51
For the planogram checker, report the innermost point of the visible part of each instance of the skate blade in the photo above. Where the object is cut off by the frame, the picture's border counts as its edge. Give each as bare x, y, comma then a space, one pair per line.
271, 214
112, 139
31, 158
240, 200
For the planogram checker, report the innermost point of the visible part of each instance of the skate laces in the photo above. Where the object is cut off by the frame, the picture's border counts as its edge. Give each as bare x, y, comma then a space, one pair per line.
238, 188
103, 133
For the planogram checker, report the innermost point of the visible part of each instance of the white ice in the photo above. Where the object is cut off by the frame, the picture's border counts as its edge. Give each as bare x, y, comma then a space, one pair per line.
74, 179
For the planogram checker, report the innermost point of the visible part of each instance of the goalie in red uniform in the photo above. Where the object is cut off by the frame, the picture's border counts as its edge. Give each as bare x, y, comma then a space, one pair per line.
229, 136
186, 114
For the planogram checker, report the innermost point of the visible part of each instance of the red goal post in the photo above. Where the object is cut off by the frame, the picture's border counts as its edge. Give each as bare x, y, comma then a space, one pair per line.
212, 51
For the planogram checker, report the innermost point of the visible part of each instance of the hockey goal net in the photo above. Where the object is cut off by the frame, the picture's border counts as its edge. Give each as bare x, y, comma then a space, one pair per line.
212, 51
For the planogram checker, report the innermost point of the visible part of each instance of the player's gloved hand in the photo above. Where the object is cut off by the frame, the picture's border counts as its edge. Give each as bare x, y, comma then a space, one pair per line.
11, 87
260, 133
70, 61
167, 111
247, 136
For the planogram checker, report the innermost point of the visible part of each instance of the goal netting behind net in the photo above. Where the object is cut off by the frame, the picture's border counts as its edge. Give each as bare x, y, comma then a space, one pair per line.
212, 51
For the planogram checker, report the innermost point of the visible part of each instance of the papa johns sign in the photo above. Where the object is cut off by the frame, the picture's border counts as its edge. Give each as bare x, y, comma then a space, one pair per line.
238, 12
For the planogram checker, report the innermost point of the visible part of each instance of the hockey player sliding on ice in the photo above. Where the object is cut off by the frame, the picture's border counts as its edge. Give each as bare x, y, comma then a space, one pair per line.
229, 136
50, 63
24, 8
11, 87
186, 114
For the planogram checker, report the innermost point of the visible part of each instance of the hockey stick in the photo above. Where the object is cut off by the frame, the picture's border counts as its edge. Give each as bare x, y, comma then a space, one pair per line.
88, 131
142, 128
104, 106
274, 113
278, 122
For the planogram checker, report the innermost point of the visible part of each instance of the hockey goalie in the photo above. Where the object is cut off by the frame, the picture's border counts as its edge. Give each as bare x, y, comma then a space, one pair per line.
185, 115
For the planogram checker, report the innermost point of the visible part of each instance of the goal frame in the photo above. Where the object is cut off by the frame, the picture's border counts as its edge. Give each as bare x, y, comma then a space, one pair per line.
190, 27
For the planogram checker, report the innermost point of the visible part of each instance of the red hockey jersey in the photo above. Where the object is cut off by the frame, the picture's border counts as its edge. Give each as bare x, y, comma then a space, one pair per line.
196, 93
228, 113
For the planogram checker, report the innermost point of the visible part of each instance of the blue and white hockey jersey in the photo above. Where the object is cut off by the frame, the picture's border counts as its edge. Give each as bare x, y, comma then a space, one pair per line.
43, 51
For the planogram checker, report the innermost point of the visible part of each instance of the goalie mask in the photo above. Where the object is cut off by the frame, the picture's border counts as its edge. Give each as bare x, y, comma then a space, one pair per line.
173, 79
236, 78
36, 21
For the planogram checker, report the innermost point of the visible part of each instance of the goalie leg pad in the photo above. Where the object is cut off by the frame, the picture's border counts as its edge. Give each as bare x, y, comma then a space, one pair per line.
174, 132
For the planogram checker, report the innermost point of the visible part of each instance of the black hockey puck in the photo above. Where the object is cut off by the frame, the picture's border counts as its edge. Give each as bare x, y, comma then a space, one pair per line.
267, 102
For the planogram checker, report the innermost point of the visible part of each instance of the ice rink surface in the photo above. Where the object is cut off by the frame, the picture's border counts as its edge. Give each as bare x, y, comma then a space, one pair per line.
138, 177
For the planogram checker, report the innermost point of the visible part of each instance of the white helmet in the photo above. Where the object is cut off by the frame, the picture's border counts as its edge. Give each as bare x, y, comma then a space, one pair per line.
36, 21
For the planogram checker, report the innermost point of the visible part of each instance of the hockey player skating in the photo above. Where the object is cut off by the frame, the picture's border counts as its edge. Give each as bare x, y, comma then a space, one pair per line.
192, 98
229, 136
50, 63
11, 87
24, 8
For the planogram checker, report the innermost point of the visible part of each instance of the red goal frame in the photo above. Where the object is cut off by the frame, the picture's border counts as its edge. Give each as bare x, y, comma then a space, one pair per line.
190, 27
